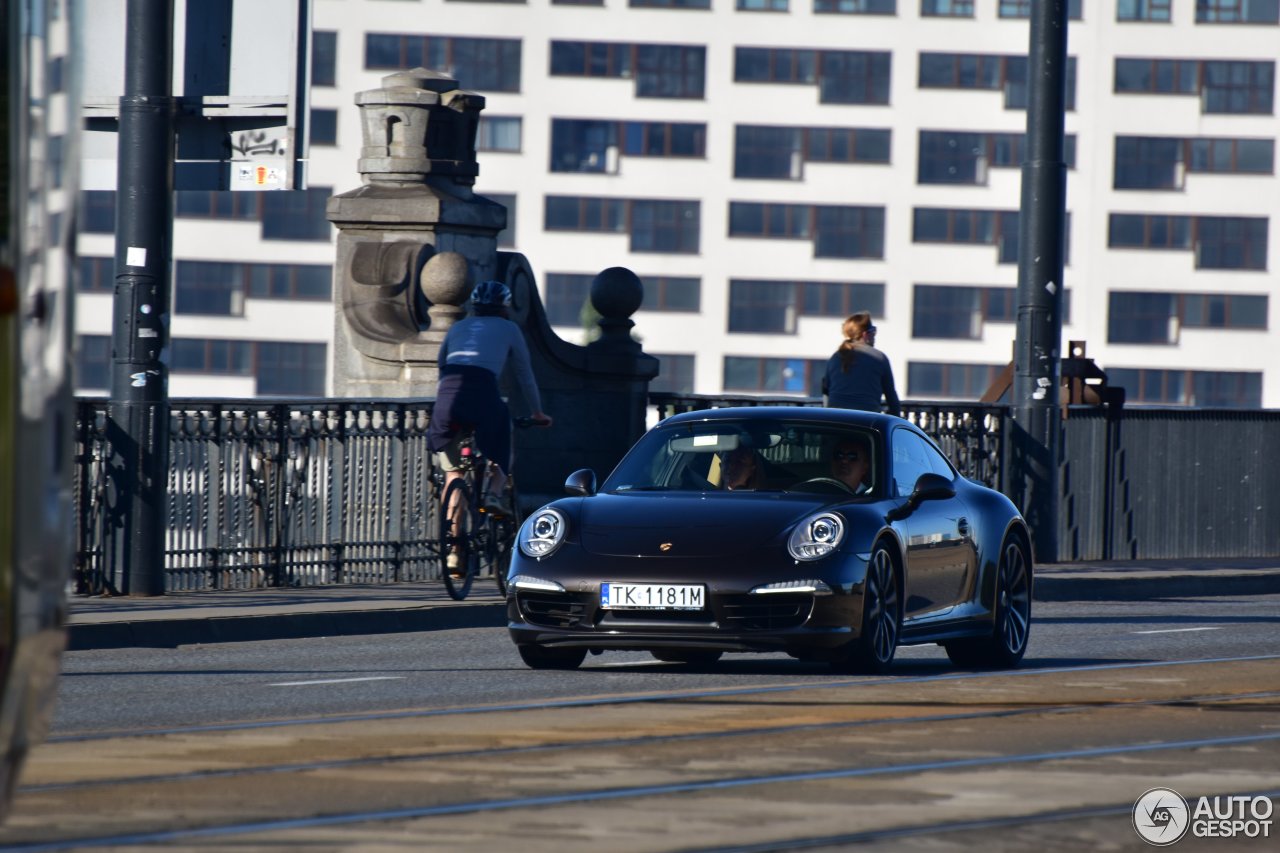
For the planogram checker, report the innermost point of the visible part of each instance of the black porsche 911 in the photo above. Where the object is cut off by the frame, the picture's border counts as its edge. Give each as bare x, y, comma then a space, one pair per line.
828, 534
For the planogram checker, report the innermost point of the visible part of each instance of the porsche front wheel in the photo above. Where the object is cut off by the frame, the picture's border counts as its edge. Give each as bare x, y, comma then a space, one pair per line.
875, 647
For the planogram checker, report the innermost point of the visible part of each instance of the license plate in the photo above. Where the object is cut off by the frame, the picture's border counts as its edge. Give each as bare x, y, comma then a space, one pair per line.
652, 596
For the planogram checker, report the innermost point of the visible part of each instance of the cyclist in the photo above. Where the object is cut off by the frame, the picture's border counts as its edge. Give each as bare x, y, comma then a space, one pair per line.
472, 357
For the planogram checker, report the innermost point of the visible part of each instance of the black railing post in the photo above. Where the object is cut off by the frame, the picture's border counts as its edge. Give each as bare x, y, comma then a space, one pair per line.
139, 408
1036, 421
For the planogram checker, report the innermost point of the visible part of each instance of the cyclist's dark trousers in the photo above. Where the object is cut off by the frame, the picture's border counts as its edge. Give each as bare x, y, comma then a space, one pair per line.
468, 399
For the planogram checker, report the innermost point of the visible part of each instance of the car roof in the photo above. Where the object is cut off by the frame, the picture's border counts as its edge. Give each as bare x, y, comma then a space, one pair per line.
813, 414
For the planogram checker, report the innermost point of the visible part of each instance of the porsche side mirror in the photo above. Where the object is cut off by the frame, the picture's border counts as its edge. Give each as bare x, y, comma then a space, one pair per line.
930, 487
581, 482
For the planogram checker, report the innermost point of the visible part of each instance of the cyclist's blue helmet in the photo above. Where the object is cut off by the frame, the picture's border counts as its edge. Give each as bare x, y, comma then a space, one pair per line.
492, 293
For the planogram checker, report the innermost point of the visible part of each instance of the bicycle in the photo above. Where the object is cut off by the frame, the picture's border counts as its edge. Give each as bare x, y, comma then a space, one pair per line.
483, 539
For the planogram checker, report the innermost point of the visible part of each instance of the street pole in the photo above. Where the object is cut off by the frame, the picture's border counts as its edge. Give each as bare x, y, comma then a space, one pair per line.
138, 408
1036, 434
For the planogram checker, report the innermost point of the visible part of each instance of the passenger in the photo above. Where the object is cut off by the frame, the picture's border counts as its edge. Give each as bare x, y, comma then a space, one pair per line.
851, 463
742, 470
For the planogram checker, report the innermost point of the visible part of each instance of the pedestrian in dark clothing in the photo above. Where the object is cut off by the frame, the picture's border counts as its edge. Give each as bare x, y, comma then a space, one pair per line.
858, 374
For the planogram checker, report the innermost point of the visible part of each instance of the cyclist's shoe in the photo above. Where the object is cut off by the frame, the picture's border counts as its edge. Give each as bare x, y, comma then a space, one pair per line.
497, 504
453, 565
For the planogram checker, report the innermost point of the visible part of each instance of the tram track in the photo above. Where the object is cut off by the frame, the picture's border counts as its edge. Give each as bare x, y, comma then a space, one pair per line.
609, 758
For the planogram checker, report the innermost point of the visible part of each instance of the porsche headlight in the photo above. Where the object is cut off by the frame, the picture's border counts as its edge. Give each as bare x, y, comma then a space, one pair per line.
542, 534
816, 536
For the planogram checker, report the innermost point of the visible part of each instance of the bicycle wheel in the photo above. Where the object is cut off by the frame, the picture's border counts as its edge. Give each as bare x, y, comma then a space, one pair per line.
458, 536
502, 538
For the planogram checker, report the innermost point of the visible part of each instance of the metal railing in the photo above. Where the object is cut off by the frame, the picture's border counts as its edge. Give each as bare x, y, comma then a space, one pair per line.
263, 493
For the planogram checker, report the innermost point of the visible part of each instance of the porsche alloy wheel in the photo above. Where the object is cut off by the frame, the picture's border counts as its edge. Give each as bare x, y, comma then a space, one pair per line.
874, 649
1012, 624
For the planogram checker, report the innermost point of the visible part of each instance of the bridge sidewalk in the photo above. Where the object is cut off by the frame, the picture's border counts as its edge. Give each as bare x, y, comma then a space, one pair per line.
223, 616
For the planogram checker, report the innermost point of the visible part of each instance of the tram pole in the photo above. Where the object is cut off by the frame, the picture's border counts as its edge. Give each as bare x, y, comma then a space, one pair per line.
1036, 434
138, 407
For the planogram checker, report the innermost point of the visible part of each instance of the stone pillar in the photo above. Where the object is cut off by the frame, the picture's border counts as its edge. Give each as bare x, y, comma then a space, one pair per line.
413, 239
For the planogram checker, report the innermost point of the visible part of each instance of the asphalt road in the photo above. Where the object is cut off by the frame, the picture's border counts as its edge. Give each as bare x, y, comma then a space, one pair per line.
122, 689
443, 741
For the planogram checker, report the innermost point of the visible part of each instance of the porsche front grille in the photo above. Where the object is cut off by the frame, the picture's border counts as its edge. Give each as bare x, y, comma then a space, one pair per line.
551, 610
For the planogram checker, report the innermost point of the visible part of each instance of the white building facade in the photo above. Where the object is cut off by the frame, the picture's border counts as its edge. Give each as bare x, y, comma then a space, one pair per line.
768, 167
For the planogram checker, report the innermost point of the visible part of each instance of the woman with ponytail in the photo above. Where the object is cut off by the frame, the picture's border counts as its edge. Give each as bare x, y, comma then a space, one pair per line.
858, 374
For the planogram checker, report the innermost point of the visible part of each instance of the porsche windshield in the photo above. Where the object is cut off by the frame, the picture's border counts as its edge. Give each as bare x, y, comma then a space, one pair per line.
749, 455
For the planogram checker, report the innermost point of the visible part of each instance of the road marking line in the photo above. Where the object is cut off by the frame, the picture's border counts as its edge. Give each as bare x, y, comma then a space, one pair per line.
337, 681
1178, 630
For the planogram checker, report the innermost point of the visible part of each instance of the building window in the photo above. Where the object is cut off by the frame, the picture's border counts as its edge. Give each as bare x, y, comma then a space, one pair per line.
1144, 10
202, 204
211, 356
1210, 389
577, 2
958, 313
98, 211
212, 287
1223, 86
773, 307
507, 236
997, 228
1137, 317
499, 133
762, 151
208, 287
933, 380
670, 4
675, 374
774, 375
1022, 9
488, 65
567, 297
842, 76
1162, 162
324, 127
290, 369
946, 8
1237, 11
311, 282
295, 215
959, 157
581, 145
671, 227
93, 362
671, 293
836, 231
660, 71
855, 7
324, 58
992, 72
97, 275
1219, 242
762, 5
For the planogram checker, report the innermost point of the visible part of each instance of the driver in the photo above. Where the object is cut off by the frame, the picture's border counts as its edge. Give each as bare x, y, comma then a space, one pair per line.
851, 463
742, 470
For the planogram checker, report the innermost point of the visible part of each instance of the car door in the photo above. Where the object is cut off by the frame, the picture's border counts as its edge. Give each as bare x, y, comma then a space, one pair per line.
941, 557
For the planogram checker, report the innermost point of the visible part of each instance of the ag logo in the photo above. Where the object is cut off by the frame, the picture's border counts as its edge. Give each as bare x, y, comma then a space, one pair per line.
1161, 816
